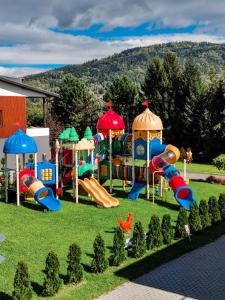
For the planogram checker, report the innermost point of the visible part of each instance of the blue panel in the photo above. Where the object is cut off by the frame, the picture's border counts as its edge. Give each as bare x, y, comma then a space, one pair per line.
46, 165
140, 149
156, 148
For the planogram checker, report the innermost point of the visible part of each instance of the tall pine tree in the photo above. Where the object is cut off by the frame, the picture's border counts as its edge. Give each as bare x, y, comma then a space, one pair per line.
182, 220
138, 241
204, 214
194, 218
154, 235
22, 286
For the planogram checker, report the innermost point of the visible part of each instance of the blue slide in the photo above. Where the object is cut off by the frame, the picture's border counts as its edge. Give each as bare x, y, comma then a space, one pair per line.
135, 191
46, 198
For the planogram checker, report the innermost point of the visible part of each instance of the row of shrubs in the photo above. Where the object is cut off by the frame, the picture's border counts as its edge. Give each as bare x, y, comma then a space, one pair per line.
199, 218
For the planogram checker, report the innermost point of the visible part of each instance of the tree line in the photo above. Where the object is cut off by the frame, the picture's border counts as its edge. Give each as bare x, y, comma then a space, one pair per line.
190, 105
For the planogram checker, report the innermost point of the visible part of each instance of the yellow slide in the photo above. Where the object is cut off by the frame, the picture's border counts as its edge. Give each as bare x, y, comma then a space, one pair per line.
98, 193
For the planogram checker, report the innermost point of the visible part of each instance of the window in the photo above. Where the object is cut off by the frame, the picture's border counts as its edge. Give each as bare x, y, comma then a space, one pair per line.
1, 118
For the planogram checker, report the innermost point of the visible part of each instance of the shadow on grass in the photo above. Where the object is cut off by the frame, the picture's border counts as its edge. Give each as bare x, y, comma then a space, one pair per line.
199, 180
167, 254
4, 296
33, 206
168, 205
111, 231
37, 288
64, 278
87, 268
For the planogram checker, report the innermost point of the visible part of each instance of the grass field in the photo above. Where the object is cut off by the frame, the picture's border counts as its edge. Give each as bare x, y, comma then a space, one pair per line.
31, 234
200, 168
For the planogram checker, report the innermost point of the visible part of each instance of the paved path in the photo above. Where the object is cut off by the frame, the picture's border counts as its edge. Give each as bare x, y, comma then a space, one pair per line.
199, 274
2, 238
201, 176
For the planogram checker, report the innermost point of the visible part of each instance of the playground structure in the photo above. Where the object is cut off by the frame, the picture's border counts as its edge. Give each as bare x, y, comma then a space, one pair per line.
138, 158
106, 155
31, 177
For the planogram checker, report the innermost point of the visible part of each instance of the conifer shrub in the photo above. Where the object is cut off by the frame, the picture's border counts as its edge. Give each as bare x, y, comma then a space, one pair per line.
182, 220
214, 211
22, 287
119, 252
221, 203
99, 263
204, 214
167, 229
138, 241
52, 281
154, 236
194, 219
74, 268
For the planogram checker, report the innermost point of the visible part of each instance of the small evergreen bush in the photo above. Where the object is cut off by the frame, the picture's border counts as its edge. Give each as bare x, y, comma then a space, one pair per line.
182, 220
221, 203
99, 263
119, 252
194, 218
52, 281
214, 211
204, 214
167, 229
154, 235
22, 287
138, 241
74, 268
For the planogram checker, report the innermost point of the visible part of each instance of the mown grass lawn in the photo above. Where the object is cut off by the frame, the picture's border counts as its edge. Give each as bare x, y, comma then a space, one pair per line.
200, 168
31, 234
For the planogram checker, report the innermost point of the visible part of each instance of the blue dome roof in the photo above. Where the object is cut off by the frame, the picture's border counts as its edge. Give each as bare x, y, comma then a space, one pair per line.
20, 143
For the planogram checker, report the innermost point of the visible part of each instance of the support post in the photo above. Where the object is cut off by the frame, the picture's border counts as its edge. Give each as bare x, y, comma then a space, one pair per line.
110, 159
17, 181
57, 149
35, 165
6, 179
74, 164
133, 160
153, 188
92, 161
147, 167
76, 177
185, 170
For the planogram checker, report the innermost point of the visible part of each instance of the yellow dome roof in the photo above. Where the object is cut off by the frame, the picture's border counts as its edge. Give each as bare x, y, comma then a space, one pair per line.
147, 121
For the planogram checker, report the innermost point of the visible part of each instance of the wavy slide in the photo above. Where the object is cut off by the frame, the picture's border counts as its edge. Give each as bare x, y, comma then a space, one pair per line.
162, 163
98, 193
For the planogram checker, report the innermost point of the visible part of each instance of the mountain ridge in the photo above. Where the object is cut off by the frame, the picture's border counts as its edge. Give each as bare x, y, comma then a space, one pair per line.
133, 62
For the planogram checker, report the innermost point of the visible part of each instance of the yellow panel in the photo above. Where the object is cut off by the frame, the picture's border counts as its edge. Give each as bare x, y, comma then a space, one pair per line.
104, 171
154, 134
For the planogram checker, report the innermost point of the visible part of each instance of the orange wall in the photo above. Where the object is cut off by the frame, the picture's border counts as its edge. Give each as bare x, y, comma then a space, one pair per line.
14, 114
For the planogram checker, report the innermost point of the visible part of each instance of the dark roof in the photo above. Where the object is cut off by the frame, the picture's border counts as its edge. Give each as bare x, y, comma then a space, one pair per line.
16, 82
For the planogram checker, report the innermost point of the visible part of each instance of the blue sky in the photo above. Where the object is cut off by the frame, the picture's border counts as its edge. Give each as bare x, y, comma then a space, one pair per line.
48, 34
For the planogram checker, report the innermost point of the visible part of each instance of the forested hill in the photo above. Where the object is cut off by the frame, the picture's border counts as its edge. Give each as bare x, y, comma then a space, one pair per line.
133, 62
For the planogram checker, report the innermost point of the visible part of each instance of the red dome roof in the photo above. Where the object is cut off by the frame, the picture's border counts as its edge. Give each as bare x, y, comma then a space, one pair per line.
110, 120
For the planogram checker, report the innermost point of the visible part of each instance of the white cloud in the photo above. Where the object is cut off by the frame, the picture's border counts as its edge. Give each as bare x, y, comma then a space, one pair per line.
25, 37
19, 72
58, 48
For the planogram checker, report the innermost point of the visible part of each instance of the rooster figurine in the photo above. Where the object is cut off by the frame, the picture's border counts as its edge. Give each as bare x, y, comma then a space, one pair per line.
126, 226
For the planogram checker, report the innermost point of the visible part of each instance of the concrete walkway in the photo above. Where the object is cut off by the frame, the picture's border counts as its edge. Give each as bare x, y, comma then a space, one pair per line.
201, 176
199, 274
2, 238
